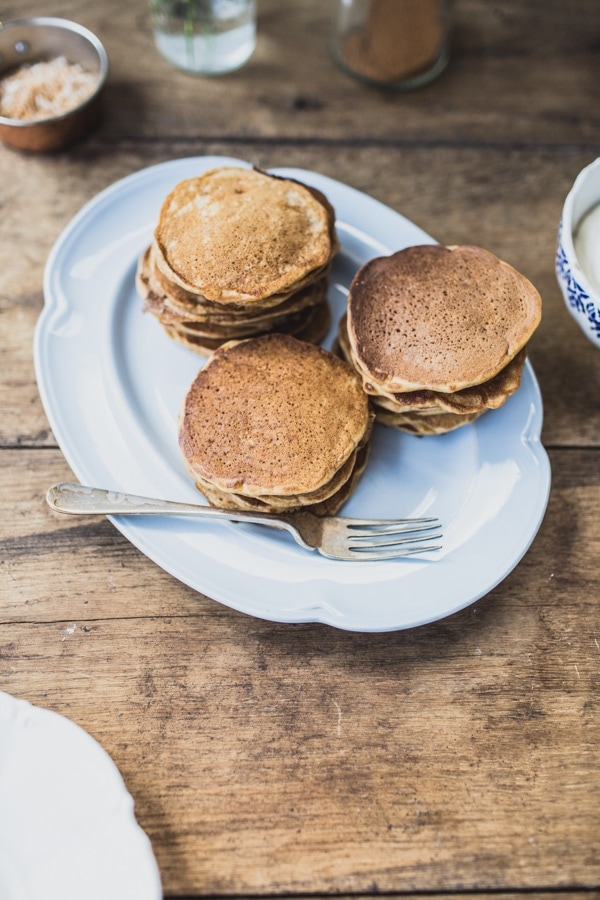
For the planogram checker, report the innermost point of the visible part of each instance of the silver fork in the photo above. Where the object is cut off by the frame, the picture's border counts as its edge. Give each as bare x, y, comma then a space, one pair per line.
335, 537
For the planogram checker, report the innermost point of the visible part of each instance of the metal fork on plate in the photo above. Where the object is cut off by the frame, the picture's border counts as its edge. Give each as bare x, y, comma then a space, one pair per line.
335, 537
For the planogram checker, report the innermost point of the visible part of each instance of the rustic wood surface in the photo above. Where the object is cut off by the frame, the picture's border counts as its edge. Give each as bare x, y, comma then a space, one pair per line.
267, 759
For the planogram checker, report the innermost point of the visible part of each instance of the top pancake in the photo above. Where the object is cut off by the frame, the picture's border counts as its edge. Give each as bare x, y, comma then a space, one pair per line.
237, 235
272, 416
438, 318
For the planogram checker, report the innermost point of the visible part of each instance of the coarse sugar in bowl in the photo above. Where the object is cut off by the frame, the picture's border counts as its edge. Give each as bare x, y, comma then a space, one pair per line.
52, 74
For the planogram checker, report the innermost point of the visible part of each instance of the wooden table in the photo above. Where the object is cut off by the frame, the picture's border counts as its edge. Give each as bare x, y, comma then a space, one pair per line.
267, 759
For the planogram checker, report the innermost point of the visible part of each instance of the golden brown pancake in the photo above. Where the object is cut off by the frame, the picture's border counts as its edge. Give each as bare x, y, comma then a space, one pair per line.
326, 507
161, 304
449, 316
290, 501
311, 324
489, 395
238, 253
422, 423
184, 303
237, 235
438, 318
274, 419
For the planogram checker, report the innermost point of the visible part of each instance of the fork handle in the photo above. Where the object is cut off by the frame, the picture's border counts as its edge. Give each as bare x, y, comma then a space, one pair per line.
79, 500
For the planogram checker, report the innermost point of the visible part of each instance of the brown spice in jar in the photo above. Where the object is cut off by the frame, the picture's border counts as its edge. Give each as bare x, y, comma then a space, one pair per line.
399, 39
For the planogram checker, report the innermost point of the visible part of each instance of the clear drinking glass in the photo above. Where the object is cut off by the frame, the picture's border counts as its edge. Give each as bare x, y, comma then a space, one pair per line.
401, 44
205, 37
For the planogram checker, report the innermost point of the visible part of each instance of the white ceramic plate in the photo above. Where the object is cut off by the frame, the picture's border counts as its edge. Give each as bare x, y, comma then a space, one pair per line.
67, 826
112, 385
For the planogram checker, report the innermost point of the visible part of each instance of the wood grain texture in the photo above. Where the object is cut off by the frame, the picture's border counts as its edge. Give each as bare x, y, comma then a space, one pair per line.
269, 757
461, 758
339, 762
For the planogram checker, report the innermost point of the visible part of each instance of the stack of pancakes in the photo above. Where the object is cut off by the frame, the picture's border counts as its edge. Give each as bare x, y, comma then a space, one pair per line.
275, 424
238, 253
438, 334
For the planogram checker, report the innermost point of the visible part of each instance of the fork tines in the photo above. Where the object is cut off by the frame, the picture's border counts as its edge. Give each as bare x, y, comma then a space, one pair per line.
394, 537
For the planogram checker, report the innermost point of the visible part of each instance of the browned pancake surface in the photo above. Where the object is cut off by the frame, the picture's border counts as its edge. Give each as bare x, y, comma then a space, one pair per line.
488, 395
309, 325
329, 506
272, 415
438, 318
236, 234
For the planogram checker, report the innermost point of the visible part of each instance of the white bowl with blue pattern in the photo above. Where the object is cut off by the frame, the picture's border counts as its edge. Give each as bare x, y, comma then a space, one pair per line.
580, 293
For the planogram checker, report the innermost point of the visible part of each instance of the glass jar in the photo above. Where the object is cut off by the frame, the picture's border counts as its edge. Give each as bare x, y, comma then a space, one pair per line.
400, 44
205, 37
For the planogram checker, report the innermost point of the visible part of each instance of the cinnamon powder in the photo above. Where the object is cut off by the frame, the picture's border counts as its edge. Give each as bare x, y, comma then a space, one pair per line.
399, 39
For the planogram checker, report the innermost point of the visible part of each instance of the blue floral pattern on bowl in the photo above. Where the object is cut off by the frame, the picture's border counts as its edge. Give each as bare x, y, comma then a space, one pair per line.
578, 299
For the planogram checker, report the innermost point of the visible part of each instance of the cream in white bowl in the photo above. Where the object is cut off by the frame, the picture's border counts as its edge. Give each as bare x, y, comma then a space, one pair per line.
578, 251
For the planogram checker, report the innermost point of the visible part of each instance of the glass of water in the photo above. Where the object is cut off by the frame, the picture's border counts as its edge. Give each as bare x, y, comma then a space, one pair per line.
205, 37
